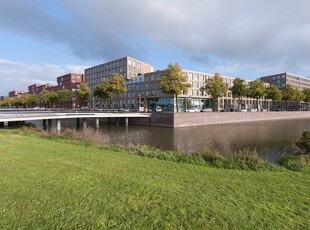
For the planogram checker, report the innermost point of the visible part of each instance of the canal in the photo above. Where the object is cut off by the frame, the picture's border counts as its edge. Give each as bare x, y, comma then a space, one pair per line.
269, 138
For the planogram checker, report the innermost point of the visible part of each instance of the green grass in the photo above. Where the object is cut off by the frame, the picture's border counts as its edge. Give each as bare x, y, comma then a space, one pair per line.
49, 184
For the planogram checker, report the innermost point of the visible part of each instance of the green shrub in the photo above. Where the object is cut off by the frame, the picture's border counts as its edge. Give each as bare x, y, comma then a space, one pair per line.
295, 163
243, 159
304, 142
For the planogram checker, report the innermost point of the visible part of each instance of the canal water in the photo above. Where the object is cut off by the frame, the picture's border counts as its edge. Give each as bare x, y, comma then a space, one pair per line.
269, 138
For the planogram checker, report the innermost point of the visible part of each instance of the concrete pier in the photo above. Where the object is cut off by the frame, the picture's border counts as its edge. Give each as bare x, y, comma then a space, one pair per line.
58, 124
97, 123
84, 123
49, 124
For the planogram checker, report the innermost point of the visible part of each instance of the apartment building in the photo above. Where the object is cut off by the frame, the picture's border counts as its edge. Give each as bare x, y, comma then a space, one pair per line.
38, 88
144, 91
3, 98
16, 93
127, 67
69, 82
282, 79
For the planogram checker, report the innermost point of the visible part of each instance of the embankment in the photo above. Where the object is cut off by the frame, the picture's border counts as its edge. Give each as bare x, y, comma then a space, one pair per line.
175, 120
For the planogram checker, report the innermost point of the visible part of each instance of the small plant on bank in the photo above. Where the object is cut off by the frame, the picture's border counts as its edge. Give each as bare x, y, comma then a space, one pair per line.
295, 163
304, 142
301, 157
243, 159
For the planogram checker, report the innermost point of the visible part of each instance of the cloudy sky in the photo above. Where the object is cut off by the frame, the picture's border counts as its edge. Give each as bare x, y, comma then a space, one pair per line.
41, 40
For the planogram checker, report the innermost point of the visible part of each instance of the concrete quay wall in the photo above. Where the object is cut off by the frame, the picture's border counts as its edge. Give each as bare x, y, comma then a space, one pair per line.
174, 120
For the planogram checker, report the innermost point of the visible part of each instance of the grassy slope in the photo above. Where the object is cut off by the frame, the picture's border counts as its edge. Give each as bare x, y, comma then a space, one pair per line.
48, 184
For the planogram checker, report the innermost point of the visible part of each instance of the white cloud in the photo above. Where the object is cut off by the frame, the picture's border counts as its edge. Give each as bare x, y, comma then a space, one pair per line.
243, 33
249, 32
19, 75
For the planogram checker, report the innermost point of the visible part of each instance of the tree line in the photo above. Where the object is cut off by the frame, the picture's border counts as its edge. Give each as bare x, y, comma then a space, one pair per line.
174, 82
46, 98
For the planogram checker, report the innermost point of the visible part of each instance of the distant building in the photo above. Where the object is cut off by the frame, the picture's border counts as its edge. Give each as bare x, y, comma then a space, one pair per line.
33, 89
69, 82
127, 67
3, 97
143, 89
282, 79
16, 93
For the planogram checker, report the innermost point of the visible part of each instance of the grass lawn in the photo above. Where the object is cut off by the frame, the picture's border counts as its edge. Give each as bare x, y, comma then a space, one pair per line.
49, 184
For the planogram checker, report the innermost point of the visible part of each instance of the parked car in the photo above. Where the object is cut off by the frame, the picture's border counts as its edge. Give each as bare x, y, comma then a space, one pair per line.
158, 109
193, 110
206, 110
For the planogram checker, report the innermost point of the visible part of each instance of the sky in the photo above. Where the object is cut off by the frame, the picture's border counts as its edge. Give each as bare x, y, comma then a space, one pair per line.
43, 39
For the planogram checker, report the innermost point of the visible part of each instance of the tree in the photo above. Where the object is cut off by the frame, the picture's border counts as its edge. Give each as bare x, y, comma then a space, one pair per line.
274, 94
83, 92
64, 95
48, 98
32, 99
6, 102
299, 96
306, 92
216, 88
256, 90
17, 101
28, 99
117, 86
238, 90
173, 82
103, 91
288, 93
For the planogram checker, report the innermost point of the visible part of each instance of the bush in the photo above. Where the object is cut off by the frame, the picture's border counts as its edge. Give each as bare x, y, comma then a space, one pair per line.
242, 159
304, 142
295, 163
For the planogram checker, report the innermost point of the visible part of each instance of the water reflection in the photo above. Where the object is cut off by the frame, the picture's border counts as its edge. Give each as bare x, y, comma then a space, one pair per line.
268, 138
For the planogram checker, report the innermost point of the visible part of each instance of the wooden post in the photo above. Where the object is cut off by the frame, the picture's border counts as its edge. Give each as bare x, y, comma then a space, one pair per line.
77, 123
49, 124
44, 124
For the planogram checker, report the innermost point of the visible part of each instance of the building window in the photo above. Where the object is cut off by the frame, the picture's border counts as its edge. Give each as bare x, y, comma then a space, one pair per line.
195, 77
190, 76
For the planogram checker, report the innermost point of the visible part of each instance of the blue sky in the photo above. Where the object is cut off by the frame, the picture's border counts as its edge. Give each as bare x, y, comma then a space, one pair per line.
43, 39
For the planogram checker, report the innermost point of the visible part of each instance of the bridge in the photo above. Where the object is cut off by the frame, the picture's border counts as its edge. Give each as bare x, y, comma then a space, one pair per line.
48, 116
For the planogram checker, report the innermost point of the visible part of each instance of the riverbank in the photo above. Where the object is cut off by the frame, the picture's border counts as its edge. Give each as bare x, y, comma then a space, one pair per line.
48, 183
175, 120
